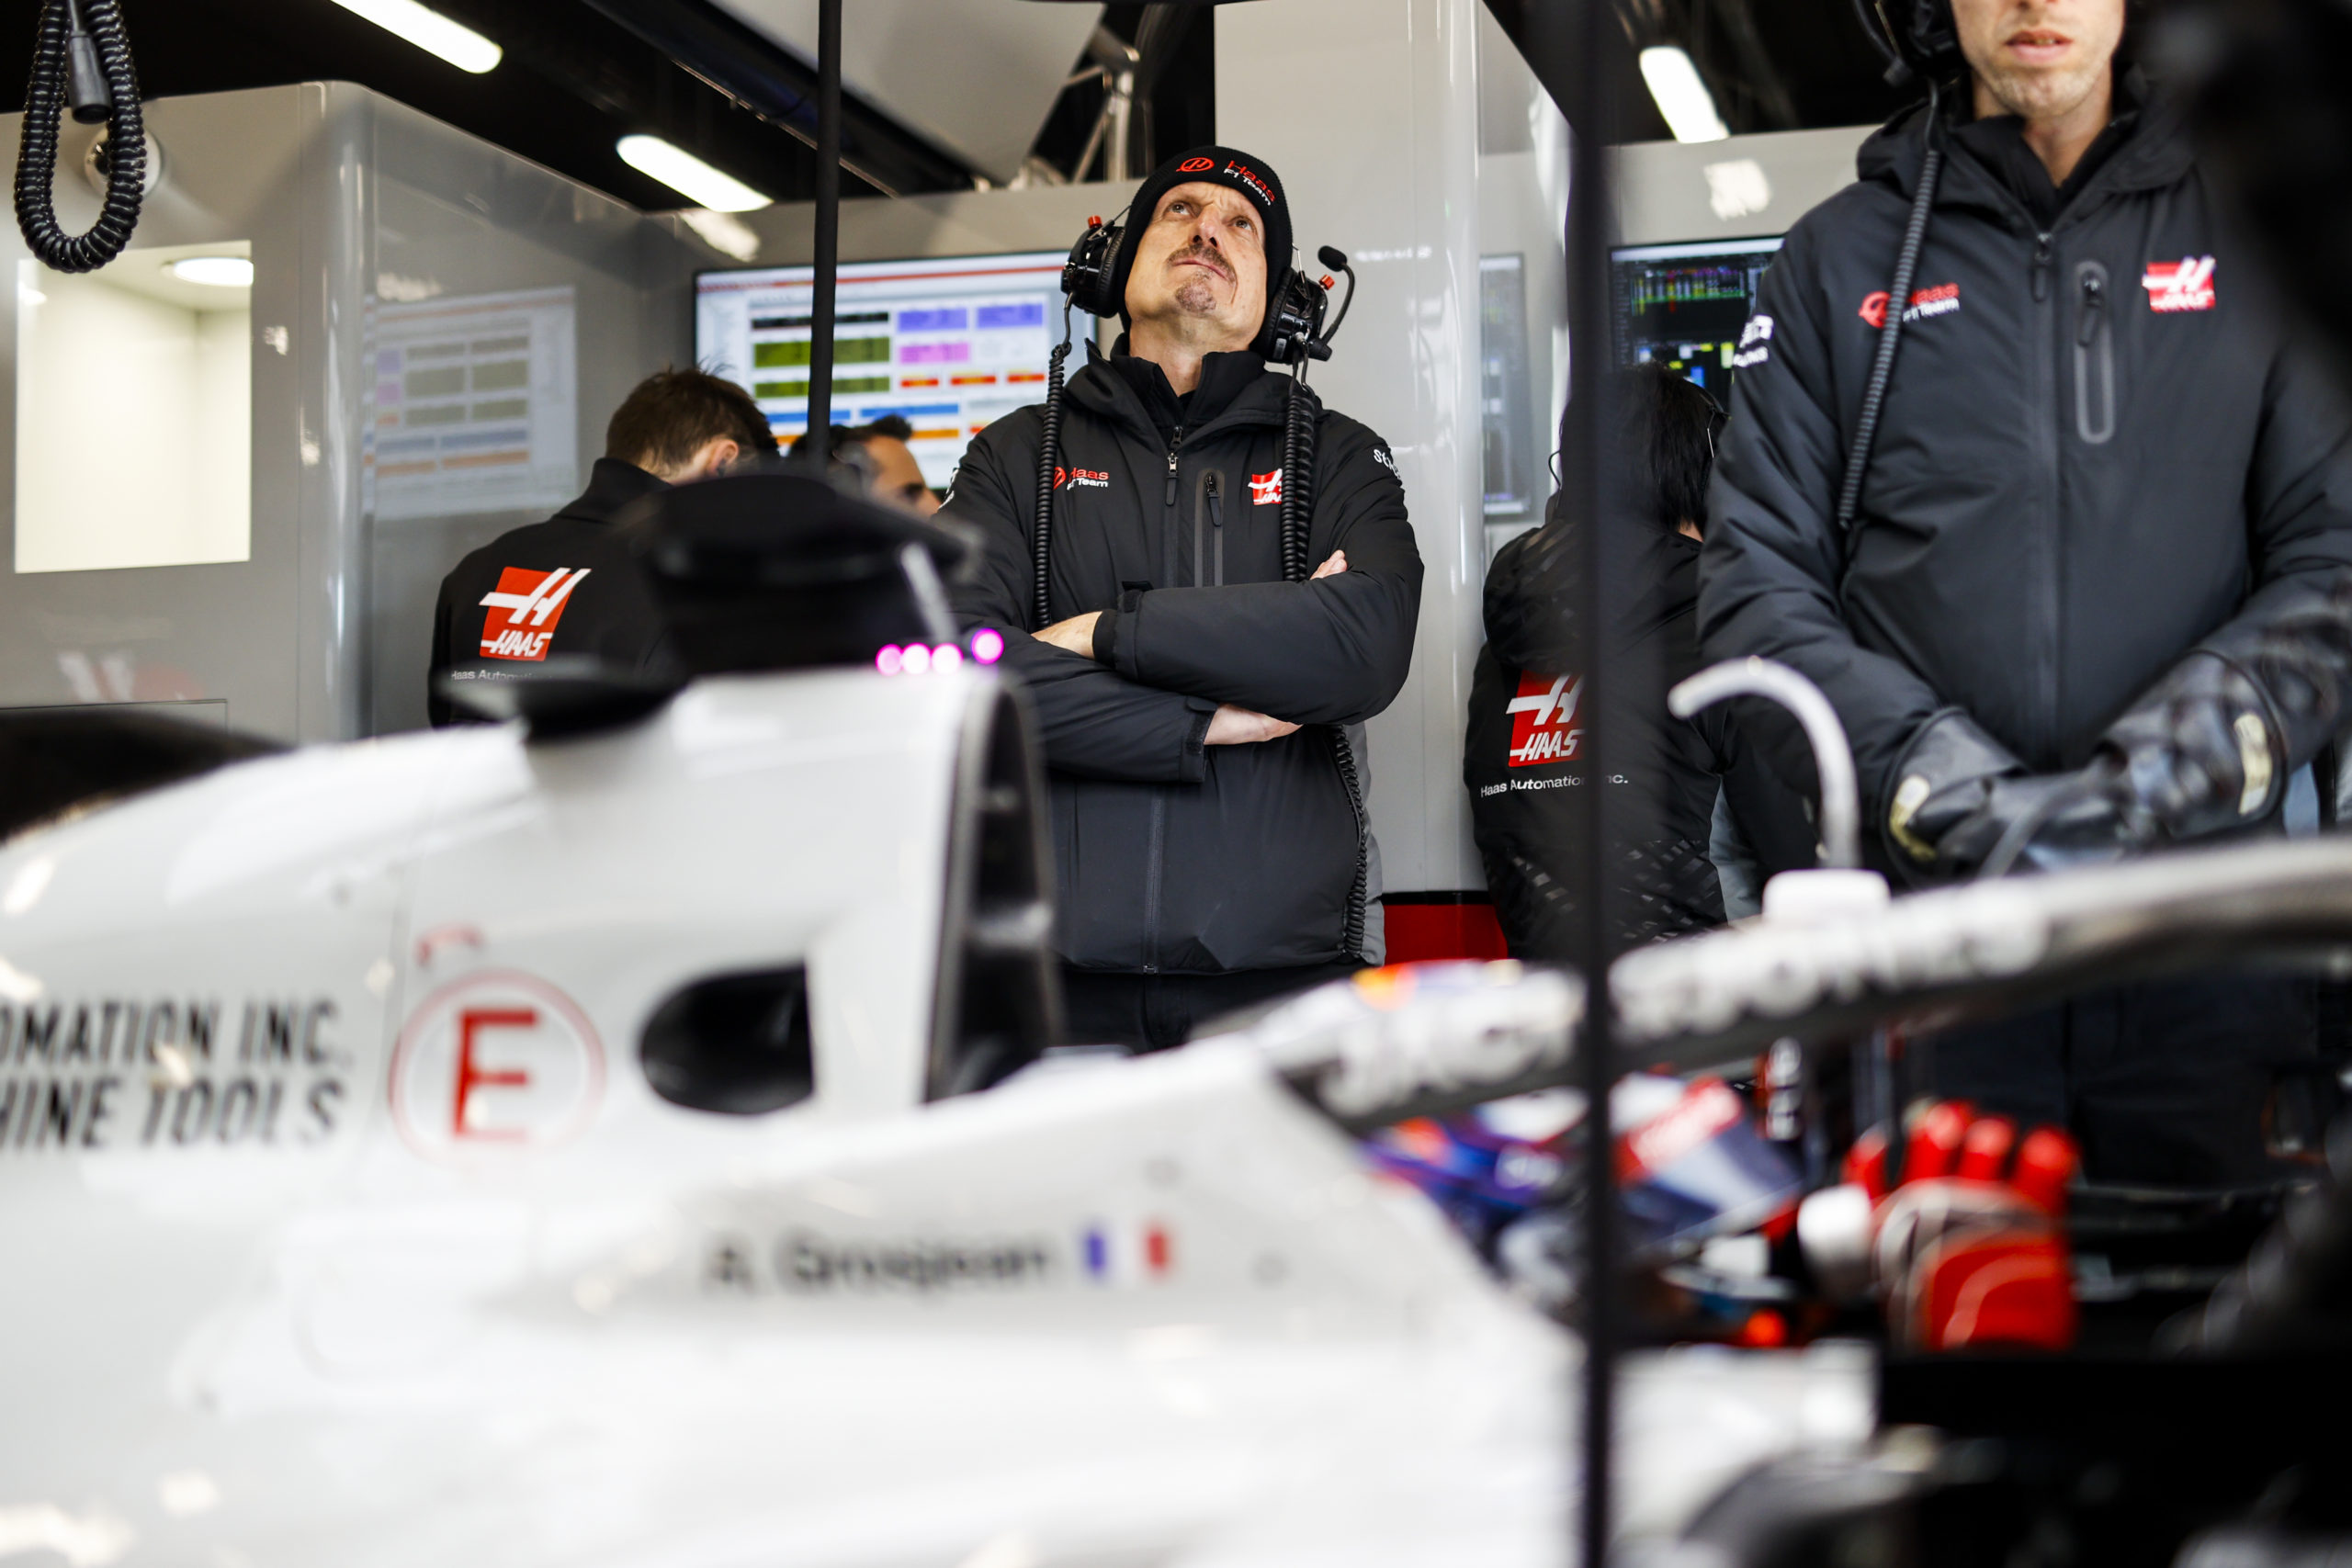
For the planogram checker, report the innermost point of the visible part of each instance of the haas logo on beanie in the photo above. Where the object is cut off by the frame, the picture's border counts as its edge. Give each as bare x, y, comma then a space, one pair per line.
1226, 166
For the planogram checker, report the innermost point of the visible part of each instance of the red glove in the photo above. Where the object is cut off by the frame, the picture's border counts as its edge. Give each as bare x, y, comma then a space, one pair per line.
1969, 1248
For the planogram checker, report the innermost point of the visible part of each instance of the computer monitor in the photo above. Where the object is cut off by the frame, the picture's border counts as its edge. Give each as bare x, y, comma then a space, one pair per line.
1684, 306
947, 344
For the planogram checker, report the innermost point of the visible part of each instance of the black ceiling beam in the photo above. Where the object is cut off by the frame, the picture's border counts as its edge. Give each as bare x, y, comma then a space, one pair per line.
773, 83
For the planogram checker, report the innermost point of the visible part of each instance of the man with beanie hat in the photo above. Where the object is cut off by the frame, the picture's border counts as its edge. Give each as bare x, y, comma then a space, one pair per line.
1210, 839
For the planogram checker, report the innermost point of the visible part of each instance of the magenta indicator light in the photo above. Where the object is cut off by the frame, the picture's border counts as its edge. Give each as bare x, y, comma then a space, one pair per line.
947, 656
988, 645
891, 661
916, 660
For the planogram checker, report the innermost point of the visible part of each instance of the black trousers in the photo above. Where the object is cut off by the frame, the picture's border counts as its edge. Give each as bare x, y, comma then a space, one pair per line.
1151, 1012
2166, 1084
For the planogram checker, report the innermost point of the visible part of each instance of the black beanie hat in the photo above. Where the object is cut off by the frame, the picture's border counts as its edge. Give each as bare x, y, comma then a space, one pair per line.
1213, 165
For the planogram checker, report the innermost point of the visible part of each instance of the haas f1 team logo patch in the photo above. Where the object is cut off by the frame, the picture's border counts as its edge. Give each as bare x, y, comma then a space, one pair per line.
1544, 726
1940, 300
1266, 489
2184, 285
533, 603
1081, 479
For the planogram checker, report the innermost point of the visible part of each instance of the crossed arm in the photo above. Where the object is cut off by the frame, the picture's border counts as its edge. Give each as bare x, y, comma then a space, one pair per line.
1231, 724
1179, 670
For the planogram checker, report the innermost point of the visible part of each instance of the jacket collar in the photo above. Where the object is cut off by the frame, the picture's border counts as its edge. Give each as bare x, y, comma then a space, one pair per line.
2158, 155
1251, 396
612, 486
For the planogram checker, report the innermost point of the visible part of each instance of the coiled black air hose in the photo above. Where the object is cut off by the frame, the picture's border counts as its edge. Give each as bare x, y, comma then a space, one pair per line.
1298, 504
77, 36
1041, 534
1890, 335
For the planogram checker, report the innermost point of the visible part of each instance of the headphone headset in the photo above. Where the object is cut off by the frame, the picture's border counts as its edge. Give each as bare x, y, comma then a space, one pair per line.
1291, 334
1924, 43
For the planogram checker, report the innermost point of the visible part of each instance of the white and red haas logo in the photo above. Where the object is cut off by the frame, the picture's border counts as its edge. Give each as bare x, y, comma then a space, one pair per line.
534, 604
1544, 726
2184, 285
1266, 489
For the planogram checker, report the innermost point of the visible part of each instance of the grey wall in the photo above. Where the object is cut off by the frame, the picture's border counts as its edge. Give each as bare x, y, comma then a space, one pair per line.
354, 204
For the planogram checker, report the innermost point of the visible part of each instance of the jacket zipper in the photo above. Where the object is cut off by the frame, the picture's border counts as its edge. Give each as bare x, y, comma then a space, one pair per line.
2094, 358
1167, 524
1156, 852
2046, 451
1214, 490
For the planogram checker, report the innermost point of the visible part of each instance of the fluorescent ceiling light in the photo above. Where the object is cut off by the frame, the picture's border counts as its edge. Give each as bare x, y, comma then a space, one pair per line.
430, 31
1682, 98
217, 272
688, 175
723, 233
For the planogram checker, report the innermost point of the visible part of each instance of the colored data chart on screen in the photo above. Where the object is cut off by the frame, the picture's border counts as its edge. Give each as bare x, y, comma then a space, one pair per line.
1685, 306
948, 344
476, 405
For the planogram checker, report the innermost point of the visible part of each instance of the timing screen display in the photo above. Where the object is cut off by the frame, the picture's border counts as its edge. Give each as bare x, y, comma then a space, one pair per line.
1685, 306
949, 346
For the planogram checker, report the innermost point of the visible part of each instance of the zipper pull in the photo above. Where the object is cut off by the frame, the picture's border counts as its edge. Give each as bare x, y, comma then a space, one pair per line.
1214, 487
1170, 499
2093, 308
2042, 269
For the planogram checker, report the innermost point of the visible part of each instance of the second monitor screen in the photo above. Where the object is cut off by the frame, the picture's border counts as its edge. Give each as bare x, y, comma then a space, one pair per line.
1685, 306
948, 344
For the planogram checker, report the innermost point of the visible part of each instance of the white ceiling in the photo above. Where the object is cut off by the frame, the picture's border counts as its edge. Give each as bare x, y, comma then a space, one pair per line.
977, 76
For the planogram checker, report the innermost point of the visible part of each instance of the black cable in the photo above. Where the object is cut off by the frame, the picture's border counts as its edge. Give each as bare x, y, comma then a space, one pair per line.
2019, 836
1298, 458
825, 272
1298, 503
72, 32
1041, 533
1890, 335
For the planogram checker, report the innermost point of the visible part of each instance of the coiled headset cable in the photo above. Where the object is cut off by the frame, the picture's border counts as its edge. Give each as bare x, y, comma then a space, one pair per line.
81, 61
1049, 451
1890, 334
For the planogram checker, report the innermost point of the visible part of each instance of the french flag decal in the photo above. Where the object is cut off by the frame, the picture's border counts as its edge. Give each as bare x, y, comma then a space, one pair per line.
1127, 1253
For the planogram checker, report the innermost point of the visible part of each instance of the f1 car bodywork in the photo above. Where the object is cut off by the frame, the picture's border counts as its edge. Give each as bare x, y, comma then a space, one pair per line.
629, 1149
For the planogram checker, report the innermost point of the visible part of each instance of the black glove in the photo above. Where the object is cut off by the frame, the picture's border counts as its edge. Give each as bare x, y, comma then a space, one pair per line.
2202, 750
1960, 796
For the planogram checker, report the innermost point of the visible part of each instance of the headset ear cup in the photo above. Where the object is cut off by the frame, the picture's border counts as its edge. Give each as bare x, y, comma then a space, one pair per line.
1935, 37
1293, 317
1087, 277
1102, 290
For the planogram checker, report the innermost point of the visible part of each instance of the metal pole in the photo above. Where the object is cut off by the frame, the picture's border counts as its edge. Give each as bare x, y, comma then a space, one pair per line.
1586, 453
829, 227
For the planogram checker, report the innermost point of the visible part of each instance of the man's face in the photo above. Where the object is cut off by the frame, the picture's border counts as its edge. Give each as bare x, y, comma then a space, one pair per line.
1202, 261
2039, 59
896, 476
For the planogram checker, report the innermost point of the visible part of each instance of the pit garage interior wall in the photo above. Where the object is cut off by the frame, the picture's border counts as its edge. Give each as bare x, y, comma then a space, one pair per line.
374, 232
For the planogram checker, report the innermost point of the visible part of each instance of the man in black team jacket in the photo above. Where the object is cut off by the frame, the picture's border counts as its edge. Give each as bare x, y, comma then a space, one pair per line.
2092, 598
1206, 844
1523, 751
563, 586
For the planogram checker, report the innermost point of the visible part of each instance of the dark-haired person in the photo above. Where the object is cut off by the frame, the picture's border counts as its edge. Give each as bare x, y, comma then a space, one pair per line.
2093, 600
563, 586
1523, 751
886, 465
1209, 849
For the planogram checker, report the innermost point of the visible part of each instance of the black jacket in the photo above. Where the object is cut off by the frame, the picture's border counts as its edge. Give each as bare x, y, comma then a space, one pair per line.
1520, 766
1172, 855
604, 608
2099, 451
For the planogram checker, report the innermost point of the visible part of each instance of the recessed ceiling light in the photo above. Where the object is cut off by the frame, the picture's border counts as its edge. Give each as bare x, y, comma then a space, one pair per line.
430, 31
688, 175
213, 272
